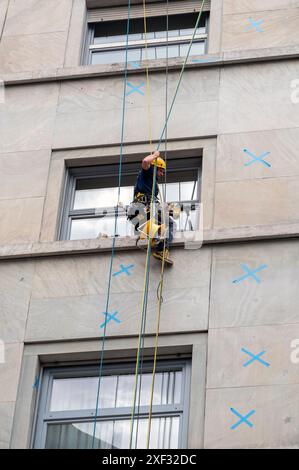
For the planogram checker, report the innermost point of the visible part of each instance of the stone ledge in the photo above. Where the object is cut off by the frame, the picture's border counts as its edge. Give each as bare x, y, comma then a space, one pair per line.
213, 236
92, 71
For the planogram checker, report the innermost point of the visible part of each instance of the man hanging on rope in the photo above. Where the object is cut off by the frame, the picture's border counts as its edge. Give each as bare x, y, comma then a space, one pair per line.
139, 211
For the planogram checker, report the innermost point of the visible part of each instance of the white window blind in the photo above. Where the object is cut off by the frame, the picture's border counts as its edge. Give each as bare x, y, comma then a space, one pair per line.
155, 9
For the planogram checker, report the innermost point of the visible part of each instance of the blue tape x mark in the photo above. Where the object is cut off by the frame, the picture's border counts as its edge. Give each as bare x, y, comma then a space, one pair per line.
250, 273
110, 317
257, 159
255, 357
255, 24
243, 419
124, 269
135, 65
135, 89
36, 383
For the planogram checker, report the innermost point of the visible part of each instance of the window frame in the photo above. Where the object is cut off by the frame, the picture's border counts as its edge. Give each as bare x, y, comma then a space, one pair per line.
45, 417
68, 214
91, 48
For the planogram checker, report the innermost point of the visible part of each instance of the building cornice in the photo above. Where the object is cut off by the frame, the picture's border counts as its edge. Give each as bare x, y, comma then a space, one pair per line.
206, 61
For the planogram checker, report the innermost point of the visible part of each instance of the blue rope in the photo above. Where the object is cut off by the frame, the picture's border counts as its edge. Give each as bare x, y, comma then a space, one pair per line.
116, 218
143, 322
144, 311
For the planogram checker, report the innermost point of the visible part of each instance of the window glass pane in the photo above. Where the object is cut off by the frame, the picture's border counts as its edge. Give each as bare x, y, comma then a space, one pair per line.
135, 37
164, 433
121, 435
97, 203
107, 197
79, 436
113, 57
84, 229
90, 198
163, 34
178, 33
189, 191
172, 33
149, 54
126, 195
160, 52
190, 31
102, 197
177, 386
197, 48
115, 32
115, 434
187, 32
148, 36
109, 57
110, 39
125, 390
172, 192
115, 391
152, 53
73, 394
167, 389
173, 51
133, 55
155, 24
81, 393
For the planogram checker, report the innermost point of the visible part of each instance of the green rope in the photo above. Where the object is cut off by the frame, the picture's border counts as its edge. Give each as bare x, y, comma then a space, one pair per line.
144, 312
181, 75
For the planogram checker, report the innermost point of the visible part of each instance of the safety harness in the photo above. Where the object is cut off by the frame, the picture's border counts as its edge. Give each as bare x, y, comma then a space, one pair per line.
134, 208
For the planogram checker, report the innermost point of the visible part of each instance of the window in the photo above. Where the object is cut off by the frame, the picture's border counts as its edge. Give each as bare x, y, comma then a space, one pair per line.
106, 41
68, 399
92, 195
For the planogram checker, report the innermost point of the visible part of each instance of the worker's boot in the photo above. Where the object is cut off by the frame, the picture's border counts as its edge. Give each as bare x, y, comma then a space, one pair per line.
160, 255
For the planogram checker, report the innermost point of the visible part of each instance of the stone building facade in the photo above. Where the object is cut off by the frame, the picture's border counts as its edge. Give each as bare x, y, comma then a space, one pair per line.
234, 343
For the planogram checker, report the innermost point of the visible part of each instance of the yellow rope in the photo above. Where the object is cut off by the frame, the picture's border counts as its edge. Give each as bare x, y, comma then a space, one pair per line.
164, 246
148, 88
139, 343
148, 94
144, 296
157, 334
161, 283
163, 262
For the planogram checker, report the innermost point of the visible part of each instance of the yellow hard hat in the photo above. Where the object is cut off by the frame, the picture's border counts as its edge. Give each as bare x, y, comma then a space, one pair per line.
159, 163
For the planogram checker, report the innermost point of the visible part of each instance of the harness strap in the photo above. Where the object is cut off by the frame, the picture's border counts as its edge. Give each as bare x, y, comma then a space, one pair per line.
144, 198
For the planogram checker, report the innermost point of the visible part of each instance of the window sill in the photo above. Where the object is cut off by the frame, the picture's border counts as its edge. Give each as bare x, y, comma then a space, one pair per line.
213, 236
70, 247
90, 71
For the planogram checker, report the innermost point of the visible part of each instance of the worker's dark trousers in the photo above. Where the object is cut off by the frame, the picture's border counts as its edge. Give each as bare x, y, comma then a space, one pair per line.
169, 226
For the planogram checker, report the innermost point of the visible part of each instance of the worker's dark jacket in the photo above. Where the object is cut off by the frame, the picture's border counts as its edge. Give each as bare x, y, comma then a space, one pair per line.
142, 199
144, 183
